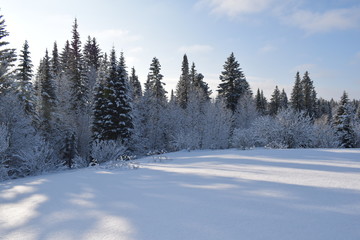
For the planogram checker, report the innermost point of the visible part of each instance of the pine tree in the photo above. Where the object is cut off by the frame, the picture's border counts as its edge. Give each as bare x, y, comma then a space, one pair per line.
184, 84
309, 95
48, 98
55, 62
158, 93
135, 85
342, 123
117, 119
234, 84
275, 102
297, 97
65, 57
24, 76
7, 58
79, 85
198, 83
283, 100
261, 102
100, 100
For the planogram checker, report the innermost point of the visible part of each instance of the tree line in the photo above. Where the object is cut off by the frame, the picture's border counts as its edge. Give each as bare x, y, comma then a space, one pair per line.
83, 106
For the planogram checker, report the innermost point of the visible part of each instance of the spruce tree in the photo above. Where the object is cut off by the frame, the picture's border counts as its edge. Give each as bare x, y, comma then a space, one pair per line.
135, 85
99, 109
183, 86
283, 100
261, 102
342, 123
309, 95
155, 84
275, 102
198, 84
297, 97
47, 91
7, 58
234, 84
55, 62
24, 76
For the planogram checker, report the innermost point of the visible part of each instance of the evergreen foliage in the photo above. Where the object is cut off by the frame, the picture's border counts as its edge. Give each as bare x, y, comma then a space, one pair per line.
297, 97
184, 84
24, 76
275, 102
7, 58
342, 123
234, 83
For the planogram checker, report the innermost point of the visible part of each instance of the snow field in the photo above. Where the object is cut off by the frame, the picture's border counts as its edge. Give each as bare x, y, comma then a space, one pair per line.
222, 194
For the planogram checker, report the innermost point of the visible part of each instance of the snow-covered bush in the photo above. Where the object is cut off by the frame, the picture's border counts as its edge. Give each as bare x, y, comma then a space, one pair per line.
288, 129
243, 139
4, 138
324, 134
104, 151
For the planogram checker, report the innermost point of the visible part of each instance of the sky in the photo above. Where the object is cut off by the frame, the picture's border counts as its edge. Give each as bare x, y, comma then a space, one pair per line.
271, 39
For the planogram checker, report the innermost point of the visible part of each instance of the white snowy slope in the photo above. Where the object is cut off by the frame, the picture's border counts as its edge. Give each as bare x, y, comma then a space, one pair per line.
200, 195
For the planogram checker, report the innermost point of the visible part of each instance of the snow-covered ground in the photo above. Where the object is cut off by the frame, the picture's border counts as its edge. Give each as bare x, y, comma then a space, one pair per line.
200, 195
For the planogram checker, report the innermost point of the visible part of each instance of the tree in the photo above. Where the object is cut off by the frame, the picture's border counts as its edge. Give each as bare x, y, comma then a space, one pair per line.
283, 100
297, 97
309, 95
55, 62
7, 58
234, 83
342, 123
275, 102
198, 83
24, 76
135, 85
48, 98
184, 84
116, 106
261, 102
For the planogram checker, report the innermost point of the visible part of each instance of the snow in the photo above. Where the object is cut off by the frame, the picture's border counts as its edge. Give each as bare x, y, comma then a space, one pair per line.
222, 194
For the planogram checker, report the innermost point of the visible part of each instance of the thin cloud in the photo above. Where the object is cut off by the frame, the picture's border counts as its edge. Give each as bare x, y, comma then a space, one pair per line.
289, 12
267, 49
233, 8
196, 49
336, 19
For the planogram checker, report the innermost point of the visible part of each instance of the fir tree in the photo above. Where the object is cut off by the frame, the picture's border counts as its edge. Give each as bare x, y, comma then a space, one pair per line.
117, 124
309, 95
65, 57
261, 102
76, 71
183, 86
7, 58
135, 85
342, 123
297, 97
99, 109
47, 92
198, 83
55, 62
283, 100
275, 102
155, 84
24, 76
234, 84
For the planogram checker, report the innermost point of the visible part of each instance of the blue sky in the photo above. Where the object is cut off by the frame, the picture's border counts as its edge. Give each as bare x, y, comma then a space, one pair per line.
271, 39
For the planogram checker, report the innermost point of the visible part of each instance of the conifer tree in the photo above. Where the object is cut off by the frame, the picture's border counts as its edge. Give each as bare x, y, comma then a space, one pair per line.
47, 91
55, 62
79, 85
309, 95
198, 83
297, 97
65, 57
234, 84
155, 84
261, 102
135, 85
342, 123
283, 100
183, 86
99, 109
24, 76
275, 102
7, 58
